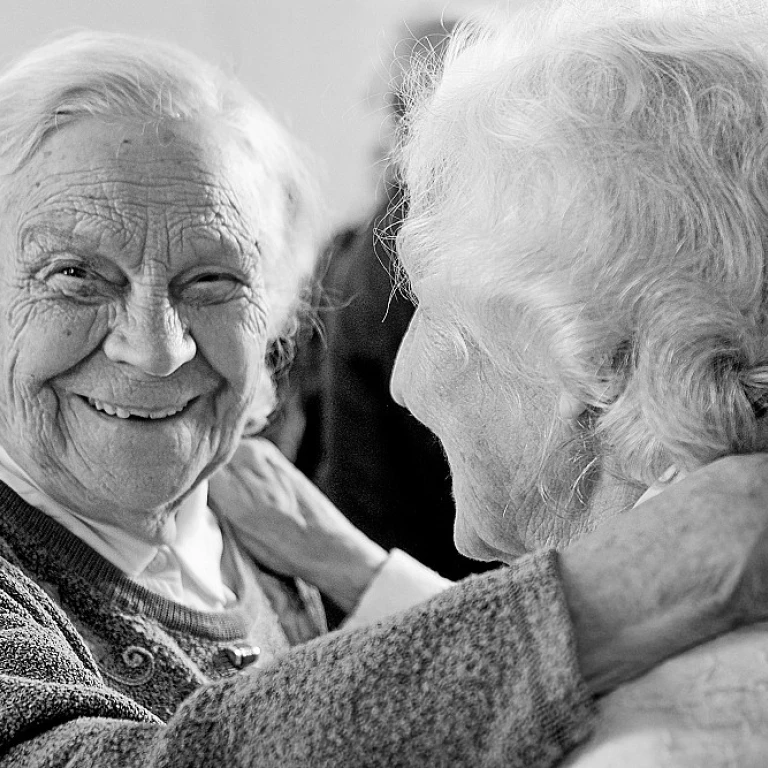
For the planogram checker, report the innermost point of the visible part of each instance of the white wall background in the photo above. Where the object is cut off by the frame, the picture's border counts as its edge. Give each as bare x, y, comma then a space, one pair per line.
311, 61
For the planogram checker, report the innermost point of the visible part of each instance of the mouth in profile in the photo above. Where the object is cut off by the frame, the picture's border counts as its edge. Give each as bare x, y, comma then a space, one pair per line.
134, 413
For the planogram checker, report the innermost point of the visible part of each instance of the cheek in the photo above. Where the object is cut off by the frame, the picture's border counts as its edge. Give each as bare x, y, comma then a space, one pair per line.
41, 340
232, 339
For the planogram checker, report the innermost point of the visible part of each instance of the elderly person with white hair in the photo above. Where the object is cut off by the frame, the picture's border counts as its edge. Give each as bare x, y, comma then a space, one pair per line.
156, 227
594, 325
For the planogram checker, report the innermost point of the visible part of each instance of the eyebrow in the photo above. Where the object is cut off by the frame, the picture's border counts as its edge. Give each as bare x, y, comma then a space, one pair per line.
91, 249
223, 240
51, 236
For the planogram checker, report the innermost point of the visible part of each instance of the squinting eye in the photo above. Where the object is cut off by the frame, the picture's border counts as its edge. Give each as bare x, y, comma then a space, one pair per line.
77, 281
212, 288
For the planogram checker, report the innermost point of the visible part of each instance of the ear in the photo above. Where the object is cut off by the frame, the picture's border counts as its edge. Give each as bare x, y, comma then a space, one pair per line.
570, 407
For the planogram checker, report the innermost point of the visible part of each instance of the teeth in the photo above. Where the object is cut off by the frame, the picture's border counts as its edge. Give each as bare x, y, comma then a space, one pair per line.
124, 413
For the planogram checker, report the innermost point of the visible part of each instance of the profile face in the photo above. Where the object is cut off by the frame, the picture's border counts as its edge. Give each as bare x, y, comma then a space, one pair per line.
132, 329
494, 426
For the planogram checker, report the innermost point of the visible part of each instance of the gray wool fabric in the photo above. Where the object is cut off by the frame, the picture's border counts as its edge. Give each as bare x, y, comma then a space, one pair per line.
483, 675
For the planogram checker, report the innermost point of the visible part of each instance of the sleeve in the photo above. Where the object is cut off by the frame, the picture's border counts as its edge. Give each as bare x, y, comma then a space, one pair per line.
401, 583
484, 674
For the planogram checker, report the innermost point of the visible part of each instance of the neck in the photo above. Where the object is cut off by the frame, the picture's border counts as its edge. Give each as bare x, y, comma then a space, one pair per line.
611, 497
602, 497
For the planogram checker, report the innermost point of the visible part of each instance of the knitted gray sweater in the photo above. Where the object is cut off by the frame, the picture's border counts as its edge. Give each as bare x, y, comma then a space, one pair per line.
483, 675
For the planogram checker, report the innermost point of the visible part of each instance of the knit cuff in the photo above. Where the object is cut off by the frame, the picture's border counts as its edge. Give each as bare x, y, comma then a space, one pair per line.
562, 705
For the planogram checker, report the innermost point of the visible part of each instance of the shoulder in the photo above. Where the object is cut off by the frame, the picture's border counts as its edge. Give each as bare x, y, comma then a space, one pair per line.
47, 675
708, 706
28, 615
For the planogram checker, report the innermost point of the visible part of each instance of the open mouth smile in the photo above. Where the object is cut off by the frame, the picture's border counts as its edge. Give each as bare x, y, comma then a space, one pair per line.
130, 412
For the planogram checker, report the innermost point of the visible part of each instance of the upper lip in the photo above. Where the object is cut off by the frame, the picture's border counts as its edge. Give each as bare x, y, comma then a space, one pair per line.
124, 411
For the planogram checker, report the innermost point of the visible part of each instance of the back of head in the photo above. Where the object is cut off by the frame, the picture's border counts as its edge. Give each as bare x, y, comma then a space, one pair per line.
416, 50
119, 77
421, 45
615, 156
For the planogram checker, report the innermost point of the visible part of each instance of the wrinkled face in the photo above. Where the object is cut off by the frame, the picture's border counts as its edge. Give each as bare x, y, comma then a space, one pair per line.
132, 314
493, 429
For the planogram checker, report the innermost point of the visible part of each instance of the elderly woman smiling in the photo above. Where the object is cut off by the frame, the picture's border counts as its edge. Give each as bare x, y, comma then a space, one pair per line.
156, 227
596, 321
135, 317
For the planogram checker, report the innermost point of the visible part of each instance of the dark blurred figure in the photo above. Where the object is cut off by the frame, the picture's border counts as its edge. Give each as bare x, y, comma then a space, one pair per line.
379, 465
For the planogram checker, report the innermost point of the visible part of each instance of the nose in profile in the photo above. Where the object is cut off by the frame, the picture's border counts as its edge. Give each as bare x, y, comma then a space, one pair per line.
150, 336
397, 382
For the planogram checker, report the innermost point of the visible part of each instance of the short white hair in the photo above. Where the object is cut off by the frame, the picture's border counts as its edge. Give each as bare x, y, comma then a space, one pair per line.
116, 76
591, 176
121, 77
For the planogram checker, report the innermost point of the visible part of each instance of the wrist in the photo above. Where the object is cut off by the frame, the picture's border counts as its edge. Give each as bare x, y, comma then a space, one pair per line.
609, 659
351, 574
625, 625
672, 572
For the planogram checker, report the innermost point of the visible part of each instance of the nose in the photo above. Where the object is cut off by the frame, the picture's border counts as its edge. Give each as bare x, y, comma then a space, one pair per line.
398, 380
150, 336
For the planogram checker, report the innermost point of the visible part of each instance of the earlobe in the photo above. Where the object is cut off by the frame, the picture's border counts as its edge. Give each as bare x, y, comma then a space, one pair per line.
570, 407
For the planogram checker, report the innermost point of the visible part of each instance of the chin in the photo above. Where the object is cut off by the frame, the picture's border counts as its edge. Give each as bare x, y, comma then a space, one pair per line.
139, 503
471, 545
473, 533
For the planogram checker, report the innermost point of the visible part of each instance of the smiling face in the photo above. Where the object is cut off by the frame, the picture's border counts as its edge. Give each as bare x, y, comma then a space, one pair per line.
132, 328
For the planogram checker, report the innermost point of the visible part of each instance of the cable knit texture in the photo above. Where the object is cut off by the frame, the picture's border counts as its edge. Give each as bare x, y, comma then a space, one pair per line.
483, 675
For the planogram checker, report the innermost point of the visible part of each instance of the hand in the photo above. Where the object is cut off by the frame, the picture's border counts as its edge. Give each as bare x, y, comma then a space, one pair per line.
679, 569
286, 523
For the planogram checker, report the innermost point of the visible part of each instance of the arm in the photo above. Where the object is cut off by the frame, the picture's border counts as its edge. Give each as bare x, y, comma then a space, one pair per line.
286, 523
686, 566
653, 581
289, 525
483, 675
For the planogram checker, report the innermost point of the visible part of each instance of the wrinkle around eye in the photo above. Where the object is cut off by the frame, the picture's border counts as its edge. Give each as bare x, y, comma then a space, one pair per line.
78, 281
211, 288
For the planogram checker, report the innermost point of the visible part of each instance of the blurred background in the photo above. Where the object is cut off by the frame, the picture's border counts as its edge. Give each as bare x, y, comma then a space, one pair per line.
320, 65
